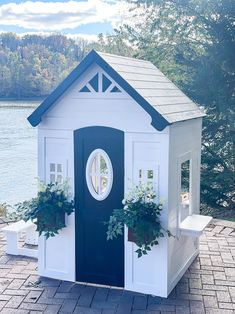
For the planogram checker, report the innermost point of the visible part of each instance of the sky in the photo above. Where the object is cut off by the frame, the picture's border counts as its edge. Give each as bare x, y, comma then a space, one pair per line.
82, 18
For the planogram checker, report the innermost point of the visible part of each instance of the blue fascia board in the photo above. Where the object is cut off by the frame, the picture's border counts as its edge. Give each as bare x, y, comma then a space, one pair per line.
36, 117
158, 121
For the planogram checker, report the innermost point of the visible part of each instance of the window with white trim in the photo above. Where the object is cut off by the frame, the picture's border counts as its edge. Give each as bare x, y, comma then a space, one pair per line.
56, 172
185, 197
99, 174
146, 176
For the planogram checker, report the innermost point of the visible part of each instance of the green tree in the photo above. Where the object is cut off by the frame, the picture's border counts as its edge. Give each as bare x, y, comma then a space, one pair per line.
192, 42
33, 65
116, 43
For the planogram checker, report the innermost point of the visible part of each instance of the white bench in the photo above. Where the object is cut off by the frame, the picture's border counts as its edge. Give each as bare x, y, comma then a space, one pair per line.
13, 232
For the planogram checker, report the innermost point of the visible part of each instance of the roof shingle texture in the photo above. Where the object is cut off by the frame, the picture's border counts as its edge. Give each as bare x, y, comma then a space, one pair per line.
154, 87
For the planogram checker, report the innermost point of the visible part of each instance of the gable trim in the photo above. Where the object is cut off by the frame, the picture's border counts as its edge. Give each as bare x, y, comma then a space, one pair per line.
158, 121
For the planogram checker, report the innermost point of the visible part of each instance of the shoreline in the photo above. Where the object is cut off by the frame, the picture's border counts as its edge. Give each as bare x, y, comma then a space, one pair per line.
22, 99
19, 103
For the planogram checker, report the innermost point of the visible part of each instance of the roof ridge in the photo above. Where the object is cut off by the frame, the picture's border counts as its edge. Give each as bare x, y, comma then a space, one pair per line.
122, 57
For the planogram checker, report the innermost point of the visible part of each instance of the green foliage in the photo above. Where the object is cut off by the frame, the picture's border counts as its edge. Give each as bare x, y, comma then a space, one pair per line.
115, 43
3, 209
16, 213
32, 66
48, 209
141, 215
192, 42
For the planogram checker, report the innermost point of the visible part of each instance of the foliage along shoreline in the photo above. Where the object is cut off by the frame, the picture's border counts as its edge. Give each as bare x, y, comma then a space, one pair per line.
31, 66
191, 42
40, 99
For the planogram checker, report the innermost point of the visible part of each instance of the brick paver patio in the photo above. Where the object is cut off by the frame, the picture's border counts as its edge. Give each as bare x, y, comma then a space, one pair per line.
207, 287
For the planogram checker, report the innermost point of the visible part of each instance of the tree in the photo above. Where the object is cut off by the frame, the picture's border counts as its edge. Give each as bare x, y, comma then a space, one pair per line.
115, 43
192, 42
33, 65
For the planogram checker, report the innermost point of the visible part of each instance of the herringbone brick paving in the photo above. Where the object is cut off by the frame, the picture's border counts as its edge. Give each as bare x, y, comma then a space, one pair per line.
207, 287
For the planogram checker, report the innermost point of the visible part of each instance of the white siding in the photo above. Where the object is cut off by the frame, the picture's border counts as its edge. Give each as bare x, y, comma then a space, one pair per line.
76, 110
184, 144
73, 111
145, 149
57, 254
147, 274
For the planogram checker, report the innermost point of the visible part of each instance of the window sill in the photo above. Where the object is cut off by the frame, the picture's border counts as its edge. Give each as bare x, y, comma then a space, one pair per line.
194, 225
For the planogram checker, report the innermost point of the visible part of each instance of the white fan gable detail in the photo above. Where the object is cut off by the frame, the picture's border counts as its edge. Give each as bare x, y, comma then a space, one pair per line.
100, 83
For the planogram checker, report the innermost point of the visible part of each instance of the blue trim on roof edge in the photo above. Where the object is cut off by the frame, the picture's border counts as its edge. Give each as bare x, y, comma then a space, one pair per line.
158, 121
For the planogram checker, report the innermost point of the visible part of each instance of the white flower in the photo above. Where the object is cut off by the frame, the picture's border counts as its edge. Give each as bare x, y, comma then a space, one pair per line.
124, 201
135, 200
160, 206
125, 207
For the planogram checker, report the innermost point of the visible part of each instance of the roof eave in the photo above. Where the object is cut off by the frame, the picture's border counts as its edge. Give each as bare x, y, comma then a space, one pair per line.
158, 121
36, 117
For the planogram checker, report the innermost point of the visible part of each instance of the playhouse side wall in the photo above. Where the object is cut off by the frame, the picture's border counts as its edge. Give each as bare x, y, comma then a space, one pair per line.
184, 144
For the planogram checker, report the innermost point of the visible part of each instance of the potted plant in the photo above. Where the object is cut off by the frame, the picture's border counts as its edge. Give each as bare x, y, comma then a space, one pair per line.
48, 209
141, 214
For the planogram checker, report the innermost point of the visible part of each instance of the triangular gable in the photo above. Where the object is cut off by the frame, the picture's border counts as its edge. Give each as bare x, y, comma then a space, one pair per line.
158, 121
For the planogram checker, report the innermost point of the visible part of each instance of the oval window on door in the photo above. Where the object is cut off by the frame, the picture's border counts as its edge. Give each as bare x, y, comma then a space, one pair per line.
99, 174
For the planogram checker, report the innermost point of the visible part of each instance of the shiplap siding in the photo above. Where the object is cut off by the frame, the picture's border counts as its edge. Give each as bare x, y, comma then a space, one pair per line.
184, 144
76, 110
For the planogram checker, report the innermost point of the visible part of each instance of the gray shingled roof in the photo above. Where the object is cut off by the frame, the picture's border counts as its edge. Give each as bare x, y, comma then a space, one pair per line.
154, 87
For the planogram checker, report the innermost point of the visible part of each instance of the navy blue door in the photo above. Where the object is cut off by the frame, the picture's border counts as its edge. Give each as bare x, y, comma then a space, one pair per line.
98, 260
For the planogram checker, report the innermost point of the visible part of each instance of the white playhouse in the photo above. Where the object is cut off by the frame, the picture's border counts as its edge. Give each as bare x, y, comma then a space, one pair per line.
125, 114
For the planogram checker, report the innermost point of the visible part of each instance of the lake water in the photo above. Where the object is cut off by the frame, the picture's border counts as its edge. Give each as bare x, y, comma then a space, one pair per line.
18, 152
